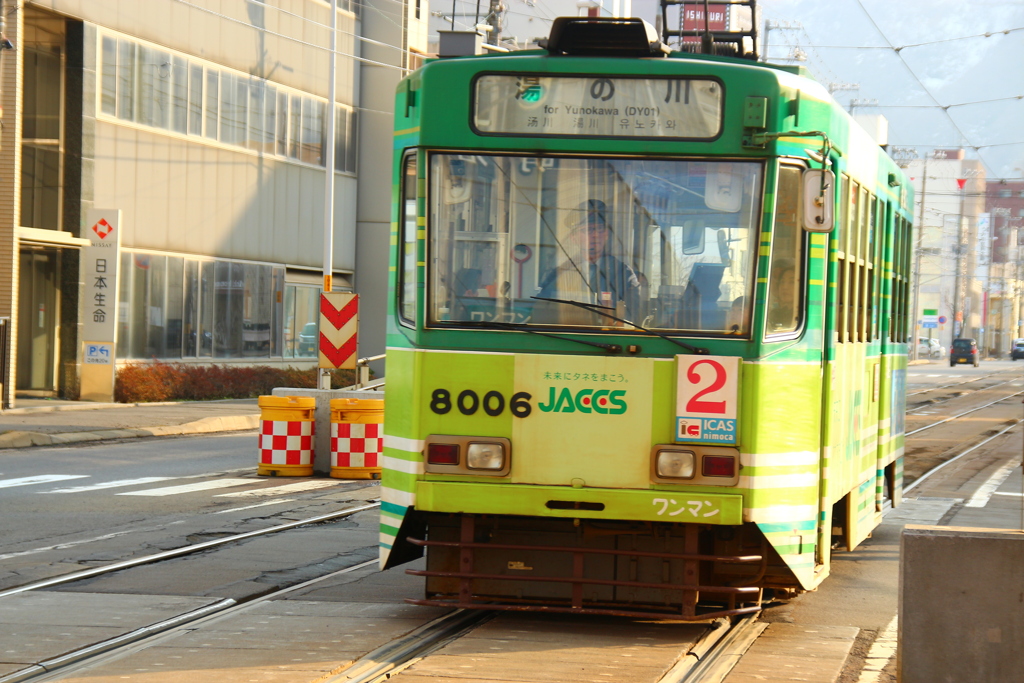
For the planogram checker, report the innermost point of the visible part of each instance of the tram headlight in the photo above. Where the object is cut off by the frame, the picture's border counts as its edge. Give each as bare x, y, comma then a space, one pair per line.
485, 456
675, 464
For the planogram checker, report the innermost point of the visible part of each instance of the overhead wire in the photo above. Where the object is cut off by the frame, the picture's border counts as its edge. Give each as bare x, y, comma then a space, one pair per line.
925, 88
304, 42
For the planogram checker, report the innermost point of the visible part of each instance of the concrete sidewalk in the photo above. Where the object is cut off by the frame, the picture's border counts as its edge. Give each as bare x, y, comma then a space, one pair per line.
44, 422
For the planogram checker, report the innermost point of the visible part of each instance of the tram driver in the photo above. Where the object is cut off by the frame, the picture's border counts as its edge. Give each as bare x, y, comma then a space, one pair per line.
590, 273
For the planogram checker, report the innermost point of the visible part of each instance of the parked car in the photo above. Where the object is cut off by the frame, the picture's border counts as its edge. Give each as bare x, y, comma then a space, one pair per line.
964, 351
930, 348
1017, 350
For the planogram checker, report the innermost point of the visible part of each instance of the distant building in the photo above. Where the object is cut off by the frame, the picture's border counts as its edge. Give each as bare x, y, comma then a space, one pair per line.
1004, 204
204, 122
950, 195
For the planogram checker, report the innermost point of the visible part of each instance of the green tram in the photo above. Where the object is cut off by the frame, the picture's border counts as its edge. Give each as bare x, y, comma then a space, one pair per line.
647, 337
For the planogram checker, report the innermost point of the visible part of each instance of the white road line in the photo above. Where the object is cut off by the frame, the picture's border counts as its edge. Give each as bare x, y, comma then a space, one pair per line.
189, 488
882, 650
285, 490
257, 505
39, 479
1008, 493
985, 491
109, 485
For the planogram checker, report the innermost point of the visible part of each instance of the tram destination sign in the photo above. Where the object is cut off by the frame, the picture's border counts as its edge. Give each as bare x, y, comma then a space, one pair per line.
684, 108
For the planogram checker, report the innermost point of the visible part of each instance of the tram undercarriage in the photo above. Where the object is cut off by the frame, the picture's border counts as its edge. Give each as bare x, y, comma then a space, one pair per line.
642, 569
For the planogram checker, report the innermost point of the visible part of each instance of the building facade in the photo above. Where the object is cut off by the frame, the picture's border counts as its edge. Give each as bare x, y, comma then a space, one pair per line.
204, 123
950, 262
1004, 204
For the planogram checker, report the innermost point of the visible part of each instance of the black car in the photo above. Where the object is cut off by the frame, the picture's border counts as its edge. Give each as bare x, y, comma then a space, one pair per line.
964, 351
1017, 351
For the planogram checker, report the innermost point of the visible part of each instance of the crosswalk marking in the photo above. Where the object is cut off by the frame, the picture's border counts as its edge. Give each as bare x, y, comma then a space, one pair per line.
189, 488
287, 489
109, 485
39, 479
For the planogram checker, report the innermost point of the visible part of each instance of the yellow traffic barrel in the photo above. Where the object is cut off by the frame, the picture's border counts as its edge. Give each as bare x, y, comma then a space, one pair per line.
357, 438
287, 425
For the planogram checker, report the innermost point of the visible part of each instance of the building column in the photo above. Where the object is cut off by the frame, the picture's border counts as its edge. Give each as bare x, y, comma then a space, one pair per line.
11, 75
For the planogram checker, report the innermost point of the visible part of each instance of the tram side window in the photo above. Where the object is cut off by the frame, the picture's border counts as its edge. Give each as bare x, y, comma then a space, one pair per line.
407, 255
784, 283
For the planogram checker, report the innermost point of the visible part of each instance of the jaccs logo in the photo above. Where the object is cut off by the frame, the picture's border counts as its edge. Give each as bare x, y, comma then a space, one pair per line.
603, 402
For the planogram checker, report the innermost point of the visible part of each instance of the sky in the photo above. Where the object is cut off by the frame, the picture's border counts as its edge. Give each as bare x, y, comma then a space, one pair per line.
945, 61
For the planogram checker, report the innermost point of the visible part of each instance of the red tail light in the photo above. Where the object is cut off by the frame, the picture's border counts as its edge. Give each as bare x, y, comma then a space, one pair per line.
443, 454
719, 466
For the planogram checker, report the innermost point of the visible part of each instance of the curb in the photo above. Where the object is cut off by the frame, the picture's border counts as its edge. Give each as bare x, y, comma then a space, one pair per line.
231, 423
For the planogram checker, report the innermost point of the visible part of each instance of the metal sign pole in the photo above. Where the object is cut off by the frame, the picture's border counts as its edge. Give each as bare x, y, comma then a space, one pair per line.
329, 143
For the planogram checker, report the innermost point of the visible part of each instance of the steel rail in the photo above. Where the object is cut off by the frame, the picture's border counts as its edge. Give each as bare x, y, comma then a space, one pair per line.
954, 384
184, 550
715, 655
953, 398
976, 446
113, 648
381, 664
954, 417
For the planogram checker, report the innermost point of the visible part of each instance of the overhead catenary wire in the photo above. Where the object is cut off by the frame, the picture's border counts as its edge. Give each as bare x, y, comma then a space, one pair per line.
924, 87
299, 41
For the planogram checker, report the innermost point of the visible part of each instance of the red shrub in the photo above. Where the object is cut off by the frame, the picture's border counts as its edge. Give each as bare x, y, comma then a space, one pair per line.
145, 382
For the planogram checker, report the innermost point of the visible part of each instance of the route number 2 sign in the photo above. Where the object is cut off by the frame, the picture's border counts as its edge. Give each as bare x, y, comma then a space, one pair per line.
706, 401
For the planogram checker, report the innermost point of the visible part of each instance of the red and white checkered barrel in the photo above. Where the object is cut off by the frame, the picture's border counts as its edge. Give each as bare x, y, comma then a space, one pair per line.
287, 427
357, 438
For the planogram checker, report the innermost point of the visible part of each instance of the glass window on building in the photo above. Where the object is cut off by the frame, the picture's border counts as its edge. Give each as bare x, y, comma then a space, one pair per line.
195, 100
40, 155
179, 95
212, 103
108, 83
301, 321
254, 139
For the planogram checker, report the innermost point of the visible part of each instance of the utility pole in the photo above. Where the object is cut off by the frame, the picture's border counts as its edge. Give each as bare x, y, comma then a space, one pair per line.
917, 256
960, 286
494, 15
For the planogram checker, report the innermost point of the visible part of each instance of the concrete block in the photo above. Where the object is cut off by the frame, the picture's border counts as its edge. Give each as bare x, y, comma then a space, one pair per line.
322, 442
961, 605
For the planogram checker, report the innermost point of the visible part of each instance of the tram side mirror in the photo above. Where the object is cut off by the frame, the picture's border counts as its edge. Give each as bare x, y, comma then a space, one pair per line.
819, 200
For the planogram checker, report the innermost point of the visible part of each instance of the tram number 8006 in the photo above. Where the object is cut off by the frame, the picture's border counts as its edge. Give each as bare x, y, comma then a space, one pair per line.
469, 402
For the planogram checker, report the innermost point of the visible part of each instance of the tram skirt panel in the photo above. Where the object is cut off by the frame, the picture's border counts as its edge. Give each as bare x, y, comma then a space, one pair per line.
357, 438
287, 426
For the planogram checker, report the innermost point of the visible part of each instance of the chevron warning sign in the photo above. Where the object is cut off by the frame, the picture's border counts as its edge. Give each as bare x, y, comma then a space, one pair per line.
339, 320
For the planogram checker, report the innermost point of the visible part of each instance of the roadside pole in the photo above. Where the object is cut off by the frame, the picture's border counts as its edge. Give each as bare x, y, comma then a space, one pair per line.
325, 373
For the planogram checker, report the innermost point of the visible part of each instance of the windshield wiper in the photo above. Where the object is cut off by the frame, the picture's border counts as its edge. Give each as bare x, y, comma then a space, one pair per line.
494, 325
600, 310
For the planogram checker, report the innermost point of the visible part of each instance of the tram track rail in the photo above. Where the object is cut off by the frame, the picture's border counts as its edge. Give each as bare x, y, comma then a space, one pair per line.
953, 384
933, 403
959, 415
61, 665
183, 550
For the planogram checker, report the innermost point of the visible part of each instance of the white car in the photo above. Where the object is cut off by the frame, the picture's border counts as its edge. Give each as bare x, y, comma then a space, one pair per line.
930, 348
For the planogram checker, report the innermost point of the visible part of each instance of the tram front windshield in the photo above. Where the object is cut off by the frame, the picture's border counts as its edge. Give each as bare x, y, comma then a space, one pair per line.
663, 244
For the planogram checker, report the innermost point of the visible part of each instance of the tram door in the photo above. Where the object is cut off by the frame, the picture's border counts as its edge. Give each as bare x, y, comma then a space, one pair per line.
38, 301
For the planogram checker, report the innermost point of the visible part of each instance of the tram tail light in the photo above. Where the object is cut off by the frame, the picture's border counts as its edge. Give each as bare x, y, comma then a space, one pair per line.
718, 466
485, 456
675, 464
443, 454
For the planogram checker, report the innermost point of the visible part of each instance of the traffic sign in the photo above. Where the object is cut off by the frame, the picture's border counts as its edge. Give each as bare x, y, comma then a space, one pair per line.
929, 326
943, 320
929, 318
339, 321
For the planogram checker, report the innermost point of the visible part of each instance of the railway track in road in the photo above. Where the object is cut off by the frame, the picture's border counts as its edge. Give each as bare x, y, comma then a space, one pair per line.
959, 423
62, 663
